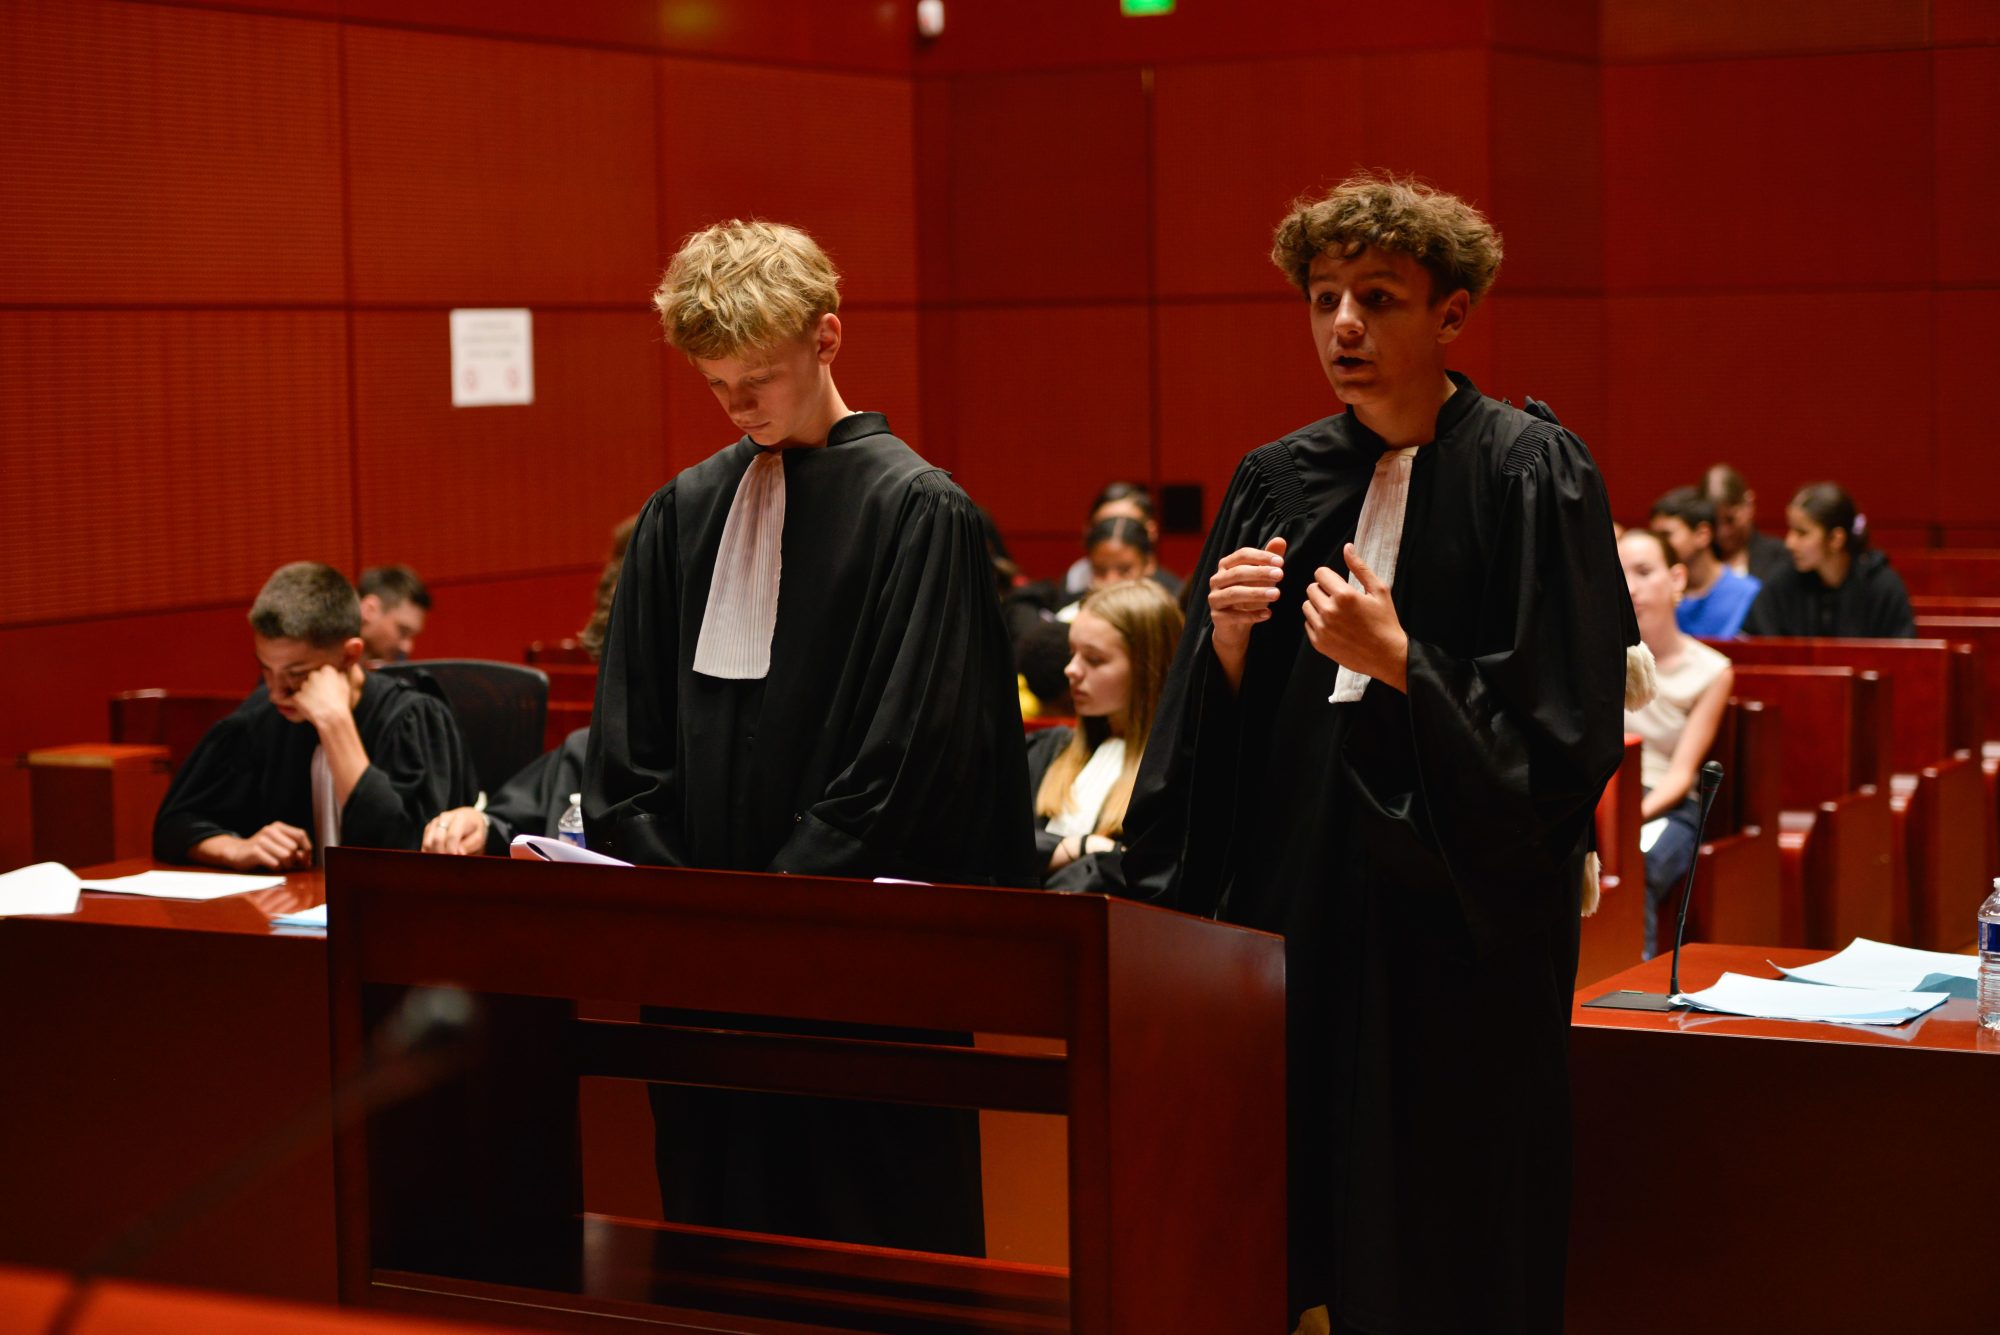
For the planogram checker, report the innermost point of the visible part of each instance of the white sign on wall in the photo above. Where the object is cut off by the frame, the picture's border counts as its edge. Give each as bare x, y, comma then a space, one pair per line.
492, 358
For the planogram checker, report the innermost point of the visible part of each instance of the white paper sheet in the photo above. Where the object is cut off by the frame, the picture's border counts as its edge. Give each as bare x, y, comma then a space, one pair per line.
1868, 963
540, 848
1774, 999
185, 884
46, 887
1650, 832
312, 917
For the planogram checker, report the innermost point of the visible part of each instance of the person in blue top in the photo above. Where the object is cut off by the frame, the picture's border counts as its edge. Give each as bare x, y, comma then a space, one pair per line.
1717, 597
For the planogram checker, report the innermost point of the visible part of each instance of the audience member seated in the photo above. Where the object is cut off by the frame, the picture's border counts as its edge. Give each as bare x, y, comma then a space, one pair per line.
1118, 500
1678, 727
533, 801
1837, 587
394, 607
1119, 550
1122, 640
1716, 597
1739, 543
1042, 655
323, 753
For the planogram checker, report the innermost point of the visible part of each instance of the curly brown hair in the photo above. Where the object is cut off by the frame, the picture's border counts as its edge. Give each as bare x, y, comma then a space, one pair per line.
1449, 237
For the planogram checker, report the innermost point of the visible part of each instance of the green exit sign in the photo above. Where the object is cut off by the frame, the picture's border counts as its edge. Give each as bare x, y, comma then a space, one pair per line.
1133, 9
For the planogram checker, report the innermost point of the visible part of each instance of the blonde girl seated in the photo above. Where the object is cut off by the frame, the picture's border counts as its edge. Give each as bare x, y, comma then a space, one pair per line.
1121, 642
1678, 727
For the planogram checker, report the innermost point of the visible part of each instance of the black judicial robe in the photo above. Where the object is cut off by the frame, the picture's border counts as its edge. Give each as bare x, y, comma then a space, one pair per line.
886, 741
533, 801
1871, 603
1422, 853
255, 767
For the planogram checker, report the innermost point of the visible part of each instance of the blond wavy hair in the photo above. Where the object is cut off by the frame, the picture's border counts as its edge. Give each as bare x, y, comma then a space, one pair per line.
1149, 621
739, 286
1449, 237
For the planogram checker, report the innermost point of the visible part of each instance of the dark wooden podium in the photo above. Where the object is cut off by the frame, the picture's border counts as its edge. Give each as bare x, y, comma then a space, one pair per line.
1162, 1041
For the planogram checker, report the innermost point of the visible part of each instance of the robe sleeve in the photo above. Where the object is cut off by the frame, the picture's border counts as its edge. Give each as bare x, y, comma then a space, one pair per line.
215, 792
632, 778
937, 784
533, 801
1182, 815
417, 767
1513, 744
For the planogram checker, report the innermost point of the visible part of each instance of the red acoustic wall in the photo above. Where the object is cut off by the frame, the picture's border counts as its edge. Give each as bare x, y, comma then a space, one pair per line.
231, 238
232, 231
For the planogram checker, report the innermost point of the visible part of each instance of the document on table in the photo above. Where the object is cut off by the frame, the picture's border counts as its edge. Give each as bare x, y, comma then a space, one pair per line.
312, 917
185, 884
540, 848
1774, 999
46, 887
1868, 963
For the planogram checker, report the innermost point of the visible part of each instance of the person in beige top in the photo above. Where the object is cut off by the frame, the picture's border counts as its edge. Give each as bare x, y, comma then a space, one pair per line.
1678, 727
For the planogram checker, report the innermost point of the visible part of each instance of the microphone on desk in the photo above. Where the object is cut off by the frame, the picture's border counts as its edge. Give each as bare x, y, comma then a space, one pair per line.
1711, 781
429, 1036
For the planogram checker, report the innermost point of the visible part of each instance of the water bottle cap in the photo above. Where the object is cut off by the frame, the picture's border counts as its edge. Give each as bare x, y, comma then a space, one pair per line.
576, 800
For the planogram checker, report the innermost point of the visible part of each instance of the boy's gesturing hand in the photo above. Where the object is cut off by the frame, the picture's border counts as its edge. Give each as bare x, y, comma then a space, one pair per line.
1358, 628
1240, 594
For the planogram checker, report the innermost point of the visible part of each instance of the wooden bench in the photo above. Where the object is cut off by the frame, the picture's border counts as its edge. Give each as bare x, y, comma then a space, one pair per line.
1612, 939
1937, 791
1966, 572
1738, 881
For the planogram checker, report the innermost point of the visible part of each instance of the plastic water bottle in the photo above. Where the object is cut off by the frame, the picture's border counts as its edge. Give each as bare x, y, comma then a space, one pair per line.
570, 830
1989, 960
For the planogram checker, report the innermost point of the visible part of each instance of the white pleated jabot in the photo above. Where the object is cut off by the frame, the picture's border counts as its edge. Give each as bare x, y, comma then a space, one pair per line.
742, 612
1378, 539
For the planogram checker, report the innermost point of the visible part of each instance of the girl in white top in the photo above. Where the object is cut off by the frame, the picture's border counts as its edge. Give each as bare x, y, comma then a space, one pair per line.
1678, 727
1121, 643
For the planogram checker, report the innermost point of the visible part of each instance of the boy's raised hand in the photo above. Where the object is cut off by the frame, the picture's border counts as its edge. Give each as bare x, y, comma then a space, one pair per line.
1240, 594
1358, 628
324, 696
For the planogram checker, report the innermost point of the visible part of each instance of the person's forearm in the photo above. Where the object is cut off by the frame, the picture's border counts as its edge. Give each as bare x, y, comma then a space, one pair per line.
1230, 656
1667, 794
345, 757
218, 850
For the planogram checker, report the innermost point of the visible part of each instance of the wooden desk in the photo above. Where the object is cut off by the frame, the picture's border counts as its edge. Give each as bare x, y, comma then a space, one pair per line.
1760, 1175
148, 1041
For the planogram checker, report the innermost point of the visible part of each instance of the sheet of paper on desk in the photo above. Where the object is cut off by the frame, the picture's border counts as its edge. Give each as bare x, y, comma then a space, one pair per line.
540, 848
185, 884
312, 917
46, 887
1868, 963
1774, 999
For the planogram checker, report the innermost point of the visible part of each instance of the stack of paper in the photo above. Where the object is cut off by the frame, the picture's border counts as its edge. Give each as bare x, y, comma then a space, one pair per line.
1773, 999
46, 887
1872, 964
539, 848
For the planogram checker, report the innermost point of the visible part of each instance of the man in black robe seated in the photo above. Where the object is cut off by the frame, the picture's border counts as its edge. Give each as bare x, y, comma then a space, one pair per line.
805, 672
323, 752
394, 607
1384, 735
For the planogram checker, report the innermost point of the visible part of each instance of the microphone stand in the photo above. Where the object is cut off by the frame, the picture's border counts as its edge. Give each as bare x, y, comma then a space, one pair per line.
1630, 999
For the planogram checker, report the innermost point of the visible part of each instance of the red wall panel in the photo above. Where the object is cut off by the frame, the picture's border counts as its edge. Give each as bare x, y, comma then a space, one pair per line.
165, 155
1233, 150
1555, 27
1548, 174
499, 618
499, 173
1968, 163
1053, 402
461, 492
1058, 34
167, 458
1553, 349
1232, 376
832, 153
1964, 21
1047, 188
1779, 385
1695, 199
1652, 30
1967, 348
